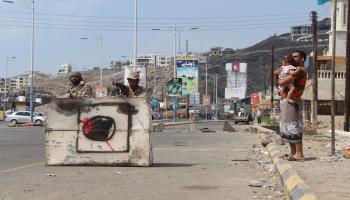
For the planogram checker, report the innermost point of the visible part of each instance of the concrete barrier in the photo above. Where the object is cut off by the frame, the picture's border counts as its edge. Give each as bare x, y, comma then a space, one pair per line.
105, 131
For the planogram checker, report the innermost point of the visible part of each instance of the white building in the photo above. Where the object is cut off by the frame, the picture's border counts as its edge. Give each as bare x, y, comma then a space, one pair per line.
64, 70
145, 60
300, 31
340, 29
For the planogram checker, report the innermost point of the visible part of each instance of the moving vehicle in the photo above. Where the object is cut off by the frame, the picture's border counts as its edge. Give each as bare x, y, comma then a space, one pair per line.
24, 117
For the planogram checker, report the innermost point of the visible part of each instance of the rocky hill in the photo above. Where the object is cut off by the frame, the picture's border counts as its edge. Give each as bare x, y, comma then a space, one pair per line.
259, 58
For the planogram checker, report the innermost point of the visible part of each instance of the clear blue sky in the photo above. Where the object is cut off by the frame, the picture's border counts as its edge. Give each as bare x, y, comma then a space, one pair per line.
226, 23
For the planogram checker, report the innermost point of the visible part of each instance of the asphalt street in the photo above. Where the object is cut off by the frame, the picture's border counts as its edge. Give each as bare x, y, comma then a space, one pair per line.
188, 164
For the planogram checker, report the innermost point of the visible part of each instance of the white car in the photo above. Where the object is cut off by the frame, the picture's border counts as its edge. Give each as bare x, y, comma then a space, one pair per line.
24, 117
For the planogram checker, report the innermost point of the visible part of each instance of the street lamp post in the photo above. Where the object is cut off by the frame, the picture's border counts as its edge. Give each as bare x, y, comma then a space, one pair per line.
5, 92
31, 106
32, 65
100, 40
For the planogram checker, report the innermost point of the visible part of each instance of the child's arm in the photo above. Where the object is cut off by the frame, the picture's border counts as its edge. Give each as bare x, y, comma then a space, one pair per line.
290, 92
294, 73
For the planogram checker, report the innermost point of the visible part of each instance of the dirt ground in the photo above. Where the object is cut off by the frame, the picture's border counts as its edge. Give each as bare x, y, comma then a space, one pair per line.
328, 177
261, 163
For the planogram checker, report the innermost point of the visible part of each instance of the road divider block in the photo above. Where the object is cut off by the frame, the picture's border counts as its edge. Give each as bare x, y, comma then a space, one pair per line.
106, 131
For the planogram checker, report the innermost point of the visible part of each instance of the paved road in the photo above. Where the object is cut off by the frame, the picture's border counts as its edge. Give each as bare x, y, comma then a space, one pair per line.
191, 165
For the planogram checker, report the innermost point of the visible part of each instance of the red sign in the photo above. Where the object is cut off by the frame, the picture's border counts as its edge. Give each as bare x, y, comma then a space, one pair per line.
255, 98
235, 67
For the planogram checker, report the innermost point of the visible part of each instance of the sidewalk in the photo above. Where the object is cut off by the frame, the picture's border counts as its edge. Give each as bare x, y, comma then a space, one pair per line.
328, 177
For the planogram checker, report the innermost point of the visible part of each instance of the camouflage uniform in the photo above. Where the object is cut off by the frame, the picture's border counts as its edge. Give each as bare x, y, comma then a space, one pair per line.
82, 90
139, 92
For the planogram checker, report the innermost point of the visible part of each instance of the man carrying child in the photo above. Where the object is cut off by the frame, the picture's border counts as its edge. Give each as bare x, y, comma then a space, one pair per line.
291, 82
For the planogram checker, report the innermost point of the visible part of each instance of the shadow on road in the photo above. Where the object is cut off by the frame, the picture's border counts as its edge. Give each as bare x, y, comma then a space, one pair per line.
172, 165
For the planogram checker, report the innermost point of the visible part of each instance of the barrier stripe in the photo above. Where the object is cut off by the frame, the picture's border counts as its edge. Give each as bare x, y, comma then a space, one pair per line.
308, 197
292, 181
283, 168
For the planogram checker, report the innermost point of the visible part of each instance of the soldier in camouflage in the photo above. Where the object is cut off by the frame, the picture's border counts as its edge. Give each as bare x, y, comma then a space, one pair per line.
134, 89
78, 89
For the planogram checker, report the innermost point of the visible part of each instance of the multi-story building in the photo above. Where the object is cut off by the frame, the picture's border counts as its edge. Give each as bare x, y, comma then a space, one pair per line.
145, 60
341, 28
64, 70
300, 31
20, 82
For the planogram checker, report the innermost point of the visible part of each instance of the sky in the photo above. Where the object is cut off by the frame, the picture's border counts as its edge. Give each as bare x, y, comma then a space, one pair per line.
60, 25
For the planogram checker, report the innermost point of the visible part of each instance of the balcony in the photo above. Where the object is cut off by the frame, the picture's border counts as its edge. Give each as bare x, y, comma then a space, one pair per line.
326, 74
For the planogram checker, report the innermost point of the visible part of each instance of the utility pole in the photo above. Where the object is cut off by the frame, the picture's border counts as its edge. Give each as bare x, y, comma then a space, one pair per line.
206, 88
216, 96
334, 29
101, 58
135, 36
154, 75
272, 77
347, 77
186, 48
175, 75
315, 68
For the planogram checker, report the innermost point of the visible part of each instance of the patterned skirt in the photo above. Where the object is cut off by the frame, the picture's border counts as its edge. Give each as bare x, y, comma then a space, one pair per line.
291, 124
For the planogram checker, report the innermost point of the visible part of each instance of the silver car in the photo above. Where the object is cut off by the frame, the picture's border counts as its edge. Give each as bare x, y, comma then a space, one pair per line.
24, 117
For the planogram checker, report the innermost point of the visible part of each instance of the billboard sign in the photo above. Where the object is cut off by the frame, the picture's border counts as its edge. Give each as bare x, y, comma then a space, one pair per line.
187, 69
236, 81
175, 87
143, 75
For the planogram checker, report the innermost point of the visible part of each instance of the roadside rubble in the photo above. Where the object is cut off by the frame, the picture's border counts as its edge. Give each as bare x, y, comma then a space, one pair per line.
265, 171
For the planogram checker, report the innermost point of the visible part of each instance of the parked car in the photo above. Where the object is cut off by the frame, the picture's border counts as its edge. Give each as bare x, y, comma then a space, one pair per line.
24, 117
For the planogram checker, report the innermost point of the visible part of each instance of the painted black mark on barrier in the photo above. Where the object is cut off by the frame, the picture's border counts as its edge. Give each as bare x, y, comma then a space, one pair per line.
124, 108
99, 128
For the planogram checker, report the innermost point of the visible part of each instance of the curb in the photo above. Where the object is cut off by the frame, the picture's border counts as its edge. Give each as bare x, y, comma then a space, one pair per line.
294, 187
23, 125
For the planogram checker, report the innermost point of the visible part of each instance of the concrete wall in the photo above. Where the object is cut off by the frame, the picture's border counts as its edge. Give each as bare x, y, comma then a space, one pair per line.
107, 131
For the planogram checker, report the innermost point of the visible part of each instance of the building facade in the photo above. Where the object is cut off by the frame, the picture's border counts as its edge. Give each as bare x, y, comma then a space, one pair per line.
146, 60
64, 70
341, 28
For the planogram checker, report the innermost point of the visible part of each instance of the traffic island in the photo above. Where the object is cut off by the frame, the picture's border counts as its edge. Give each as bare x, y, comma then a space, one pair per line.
294, 187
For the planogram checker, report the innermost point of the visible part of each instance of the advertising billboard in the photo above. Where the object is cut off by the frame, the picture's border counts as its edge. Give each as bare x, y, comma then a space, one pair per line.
187, 69
175, 87
236, 81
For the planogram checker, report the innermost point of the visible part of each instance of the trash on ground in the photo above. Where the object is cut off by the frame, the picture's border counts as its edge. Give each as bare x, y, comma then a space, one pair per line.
207, 130
52, 175
255, 183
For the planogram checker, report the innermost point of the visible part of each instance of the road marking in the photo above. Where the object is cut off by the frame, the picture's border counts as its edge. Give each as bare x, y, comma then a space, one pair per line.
22, 167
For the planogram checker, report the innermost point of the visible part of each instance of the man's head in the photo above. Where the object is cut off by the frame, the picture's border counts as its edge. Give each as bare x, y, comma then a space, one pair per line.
75, 78
299, 57
134, 80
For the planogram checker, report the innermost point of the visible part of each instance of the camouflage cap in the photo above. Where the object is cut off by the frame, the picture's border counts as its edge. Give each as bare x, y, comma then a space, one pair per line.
134, 75
75, 74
